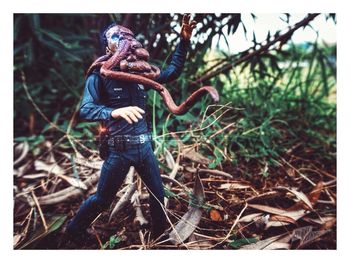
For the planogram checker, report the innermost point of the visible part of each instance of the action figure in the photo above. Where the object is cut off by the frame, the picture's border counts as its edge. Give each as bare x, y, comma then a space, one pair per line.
115, 94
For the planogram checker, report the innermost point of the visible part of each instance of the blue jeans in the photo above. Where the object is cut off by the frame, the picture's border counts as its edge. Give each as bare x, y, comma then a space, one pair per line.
113, 173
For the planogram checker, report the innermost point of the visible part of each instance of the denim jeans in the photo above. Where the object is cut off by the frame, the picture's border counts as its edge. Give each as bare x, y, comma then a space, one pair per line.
113, 173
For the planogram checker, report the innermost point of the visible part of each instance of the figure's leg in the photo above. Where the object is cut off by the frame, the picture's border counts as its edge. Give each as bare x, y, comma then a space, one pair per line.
113, 173
149, 171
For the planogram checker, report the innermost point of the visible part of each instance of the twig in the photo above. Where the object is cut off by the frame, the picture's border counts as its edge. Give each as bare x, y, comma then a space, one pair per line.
40, 211
67, 193
199, 129
301, 174
166, 177
215, 172
123, 200
221, 130
234, 224
135, 200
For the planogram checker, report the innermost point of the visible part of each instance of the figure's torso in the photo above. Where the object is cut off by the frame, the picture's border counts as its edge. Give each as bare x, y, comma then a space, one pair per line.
118, 94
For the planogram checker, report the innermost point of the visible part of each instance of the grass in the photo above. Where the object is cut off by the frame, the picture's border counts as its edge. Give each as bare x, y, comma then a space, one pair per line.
270, 113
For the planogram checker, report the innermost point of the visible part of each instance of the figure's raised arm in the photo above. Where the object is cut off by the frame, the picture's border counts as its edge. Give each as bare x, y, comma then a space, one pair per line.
174, 70
187, 27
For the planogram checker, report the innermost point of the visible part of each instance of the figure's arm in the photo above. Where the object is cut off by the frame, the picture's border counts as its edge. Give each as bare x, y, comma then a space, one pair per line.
175, 68
91, 108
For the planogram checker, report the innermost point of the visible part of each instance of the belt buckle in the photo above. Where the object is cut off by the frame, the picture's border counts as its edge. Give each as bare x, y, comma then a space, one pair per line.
110, 141
142, 138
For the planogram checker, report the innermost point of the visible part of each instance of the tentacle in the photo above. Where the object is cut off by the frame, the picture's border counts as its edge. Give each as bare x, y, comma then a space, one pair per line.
107, 63
97, 63
168, 100
190, 101
123, 76
119, 55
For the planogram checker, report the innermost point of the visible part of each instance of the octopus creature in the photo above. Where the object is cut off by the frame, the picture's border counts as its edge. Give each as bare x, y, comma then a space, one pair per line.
129, 62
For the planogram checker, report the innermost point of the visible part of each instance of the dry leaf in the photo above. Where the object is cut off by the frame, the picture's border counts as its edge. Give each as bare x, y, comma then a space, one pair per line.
320, 221
250, 218
16, 239
198, 242
190, 153
74, 181
278, 245
231, 186
188, 223
268, 209
215, 215
295, 215
314, 195
169, 159
306, 235
329, 224
50, 168
34, 176
285, 219
300, 195
263, 244
20, 152
278, 221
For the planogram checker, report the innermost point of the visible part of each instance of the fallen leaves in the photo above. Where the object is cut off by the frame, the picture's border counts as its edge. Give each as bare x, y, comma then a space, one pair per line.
300, 195
236, 213
306, 235
52, 225
188, 223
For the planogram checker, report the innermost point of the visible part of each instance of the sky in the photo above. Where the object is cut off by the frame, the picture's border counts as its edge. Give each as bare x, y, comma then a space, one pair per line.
273, 22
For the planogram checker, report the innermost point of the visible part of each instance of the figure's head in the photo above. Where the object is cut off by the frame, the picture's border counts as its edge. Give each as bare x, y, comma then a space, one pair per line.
121, 43
113, 34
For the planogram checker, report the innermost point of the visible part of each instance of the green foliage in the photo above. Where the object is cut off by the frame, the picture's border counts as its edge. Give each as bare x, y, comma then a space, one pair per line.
281, 107
55, 50
113, 241
279, 99
53, 224
242, 241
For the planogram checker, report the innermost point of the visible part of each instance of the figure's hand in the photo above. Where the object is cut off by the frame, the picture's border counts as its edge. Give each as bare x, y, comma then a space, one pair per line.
130, 114
187, 27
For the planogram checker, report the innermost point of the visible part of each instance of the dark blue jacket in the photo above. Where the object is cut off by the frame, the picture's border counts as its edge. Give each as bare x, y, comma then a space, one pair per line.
102, 96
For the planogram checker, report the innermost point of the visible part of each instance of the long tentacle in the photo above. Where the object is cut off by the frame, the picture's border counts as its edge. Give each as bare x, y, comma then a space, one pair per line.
190, 101
107, 63
168, 100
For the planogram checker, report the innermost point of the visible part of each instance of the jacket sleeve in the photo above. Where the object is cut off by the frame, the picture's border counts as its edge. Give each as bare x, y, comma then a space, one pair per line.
92, 108
175, 68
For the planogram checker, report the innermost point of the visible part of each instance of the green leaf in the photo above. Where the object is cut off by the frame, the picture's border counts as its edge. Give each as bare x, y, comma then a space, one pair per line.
113, 241
243, 241
168, 193
53, 224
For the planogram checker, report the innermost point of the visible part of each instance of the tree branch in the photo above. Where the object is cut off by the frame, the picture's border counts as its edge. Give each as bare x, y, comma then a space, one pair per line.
281, 38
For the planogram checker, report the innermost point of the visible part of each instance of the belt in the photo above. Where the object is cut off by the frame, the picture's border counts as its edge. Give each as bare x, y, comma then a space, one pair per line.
123, 140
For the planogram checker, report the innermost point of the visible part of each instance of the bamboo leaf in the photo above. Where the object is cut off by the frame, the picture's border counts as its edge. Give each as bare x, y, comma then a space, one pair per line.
53, 224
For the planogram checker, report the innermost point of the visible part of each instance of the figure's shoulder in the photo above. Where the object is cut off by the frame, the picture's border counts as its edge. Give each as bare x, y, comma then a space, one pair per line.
94, 75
